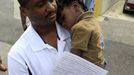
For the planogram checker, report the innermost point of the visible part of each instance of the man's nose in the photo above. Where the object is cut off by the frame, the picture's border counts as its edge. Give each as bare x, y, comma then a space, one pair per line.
51, 6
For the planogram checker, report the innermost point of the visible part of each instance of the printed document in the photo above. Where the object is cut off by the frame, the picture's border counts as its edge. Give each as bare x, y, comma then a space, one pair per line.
70, 64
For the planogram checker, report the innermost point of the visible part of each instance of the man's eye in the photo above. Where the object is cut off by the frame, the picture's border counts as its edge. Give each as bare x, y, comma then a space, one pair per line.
40, 4
51, 0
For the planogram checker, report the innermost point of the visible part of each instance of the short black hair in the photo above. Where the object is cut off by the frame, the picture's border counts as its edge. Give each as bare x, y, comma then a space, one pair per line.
62, 3
23, 3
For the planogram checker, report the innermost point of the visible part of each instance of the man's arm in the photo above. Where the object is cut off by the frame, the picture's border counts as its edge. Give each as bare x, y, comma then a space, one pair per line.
16, 64
16, 68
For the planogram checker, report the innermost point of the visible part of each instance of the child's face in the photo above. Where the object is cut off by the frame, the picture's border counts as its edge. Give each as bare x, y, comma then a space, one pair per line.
68, 17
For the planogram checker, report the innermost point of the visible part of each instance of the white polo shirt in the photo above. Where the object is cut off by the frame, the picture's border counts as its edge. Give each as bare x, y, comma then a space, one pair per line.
31, 52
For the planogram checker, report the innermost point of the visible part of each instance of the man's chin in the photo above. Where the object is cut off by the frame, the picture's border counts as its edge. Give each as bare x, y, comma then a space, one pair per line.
53, 19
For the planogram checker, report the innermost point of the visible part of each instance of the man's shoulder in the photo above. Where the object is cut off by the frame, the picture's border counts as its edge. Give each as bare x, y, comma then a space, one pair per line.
20, 45
62, 32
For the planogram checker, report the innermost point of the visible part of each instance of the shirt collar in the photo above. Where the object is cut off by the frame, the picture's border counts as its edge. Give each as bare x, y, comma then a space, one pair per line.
62, 32
85, 15
37, 43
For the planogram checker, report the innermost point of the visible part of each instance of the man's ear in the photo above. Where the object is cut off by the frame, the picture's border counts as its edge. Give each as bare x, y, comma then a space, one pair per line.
23, 11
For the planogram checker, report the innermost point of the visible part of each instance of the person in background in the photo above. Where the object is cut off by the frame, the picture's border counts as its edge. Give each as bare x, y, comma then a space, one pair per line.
2, 66
86, 36
89, 4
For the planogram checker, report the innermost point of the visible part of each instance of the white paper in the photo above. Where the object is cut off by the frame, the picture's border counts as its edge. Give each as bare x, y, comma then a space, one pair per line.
70, 64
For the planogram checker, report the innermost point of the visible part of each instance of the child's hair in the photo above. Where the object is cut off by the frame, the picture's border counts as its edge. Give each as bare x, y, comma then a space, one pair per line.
62, 3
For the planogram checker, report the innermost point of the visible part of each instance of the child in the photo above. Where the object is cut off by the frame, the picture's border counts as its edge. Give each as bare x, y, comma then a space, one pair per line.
86, 36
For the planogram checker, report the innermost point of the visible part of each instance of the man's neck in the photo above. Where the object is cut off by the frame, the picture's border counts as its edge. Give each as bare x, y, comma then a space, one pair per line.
48, 34
45, 30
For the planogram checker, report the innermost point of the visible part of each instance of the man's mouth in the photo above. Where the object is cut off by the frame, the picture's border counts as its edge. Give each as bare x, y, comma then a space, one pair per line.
51, 16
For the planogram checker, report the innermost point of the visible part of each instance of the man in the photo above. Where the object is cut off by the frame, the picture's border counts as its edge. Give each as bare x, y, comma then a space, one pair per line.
2, 66
41, 45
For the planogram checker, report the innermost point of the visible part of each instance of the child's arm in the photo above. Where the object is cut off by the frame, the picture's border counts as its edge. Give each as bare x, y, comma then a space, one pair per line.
77, 52
79, 40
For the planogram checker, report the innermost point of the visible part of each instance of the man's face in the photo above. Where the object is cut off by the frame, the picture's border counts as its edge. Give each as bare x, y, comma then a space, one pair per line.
68, 17
42, 12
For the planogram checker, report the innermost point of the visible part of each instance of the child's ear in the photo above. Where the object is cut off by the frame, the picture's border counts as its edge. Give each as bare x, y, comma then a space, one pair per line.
76, 6
23, 11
